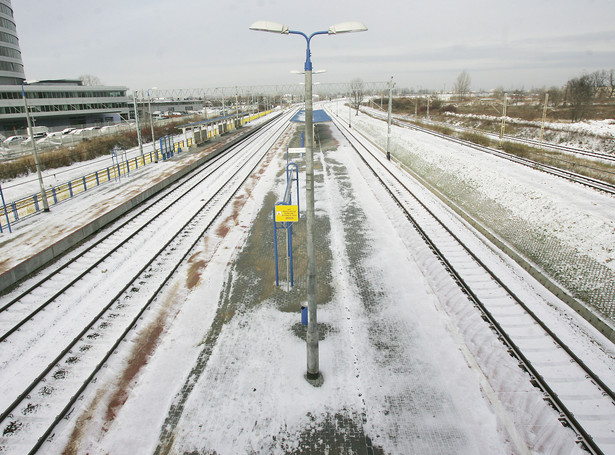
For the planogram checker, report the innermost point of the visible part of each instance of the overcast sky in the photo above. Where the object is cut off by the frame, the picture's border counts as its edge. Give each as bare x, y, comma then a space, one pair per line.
422, 44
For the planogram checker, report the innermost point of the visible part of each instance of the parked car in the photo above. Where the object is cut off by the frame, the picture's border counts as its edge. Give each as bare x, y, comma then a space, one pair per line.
36, 136
51, 138
108, 128
14, 140
68, 130
91, 128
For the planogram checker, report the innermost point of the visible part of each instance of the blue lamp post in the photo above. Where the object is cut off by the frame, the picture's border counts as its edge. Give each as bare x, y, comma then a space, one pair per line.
313, 372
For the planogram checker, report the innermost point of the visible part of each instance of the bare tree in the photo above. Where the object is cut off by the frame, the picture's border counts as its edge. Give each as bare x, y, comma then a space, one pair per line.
598, 80
356, 93
498, 92
579, 92
555, 95
610, 82
462, 85
90, 79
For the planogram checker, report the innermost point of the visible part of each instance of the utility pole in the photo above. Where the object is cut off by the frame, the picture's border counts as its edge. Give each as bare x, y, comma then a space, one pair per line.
236, 105
35, 151
389, 121
134, 100
544, 116
151, 123
503, 127
349, 112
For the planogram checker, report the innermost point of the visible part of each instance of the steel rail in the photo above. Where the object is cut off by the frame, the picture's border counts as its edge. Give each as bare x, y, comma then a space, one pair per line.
222, 154
76, 339
536, 378
558, 147
553, 170
569, 175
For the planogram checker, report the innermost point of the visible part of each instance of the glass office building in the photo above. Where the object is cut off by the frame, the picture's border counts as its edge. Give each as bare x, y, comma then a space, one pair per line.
52, 103
11, 64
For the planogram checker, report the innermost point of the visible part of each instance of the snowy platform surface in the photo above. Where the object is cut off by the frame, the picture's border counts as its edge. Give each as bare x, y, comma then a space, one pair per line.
226, 374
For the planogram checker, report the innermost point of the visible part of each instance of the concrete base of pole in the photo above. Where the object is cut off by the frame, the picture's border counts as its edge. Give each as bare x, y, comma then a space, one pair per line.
315, 379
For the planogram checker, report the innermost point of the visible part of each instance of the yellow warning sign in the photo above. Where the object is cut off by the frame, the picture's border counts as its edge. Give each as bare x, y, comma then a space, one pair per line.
285, 213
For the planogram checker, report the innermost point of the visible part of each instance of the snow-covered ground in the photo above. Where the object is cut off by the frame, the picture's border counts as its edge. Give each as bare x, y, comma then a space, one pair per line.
27, 185
397, 370
593, 135
566, 229
242, 389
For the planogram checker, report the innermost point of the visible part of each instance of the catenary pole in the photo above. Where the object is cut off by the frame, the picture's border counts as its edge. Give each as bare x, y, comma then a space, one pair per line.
503, 126
134, 100
544, 117
35, 152
389, 119
151, 122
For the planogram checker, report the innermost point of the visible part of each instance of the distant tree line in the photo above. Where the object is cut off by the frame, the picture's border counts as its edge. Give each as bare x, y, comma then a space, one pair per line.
578, 93
581, 91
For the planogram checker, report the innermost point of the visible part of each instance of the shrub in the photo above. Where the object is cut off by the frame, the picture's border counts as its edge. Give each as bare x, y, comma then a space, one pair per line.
476, 138
518, 149
449, 108
87, 149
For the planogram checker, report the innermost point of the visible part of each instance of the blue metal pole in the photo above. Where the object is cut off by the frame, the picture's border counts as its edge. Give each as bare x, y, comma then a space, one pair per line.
275, 248
8, 223
290, 252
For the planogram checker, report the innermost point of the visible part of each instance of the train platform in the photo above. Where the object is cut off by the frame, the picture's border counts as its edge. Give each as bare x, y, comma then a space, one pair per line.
222, 370
39, 239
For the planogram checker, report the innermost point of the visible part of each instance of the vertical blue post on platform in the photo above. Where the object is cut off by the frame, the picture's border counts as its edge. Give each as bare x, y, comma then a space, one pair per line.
290, 252
8, 223
275, 247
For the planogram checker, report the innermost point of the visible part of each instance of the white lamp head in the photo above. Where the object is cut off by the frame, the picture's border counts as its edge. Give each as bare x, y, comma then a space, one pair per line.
347, 27
267, 26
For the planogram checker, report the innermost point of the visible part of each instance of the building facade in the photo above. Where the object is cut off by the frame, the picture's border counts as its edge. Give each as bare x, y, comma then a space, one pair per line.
52, 103
60, 103
11, 64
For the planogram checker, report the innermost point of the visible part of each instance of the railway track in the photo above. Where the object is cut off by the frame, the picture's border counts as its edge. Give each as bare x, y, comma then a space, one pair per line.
553, 170
557, 147
584, 401
96, 296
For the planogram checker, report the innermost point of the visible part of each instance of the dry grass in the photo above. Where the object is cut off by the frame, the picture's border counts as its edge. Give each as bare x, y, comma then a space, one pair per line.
476, 138
565, 161
85, 150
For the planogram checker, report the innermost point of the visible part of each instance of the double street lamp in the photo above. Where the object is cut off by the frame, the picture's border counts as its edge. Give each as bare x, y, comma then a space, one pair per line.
313, 372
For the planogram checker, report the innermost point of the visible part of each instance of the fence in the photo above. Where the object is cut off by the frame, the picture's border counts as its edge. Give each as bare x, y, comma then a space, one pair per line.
30, 205
122, 166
